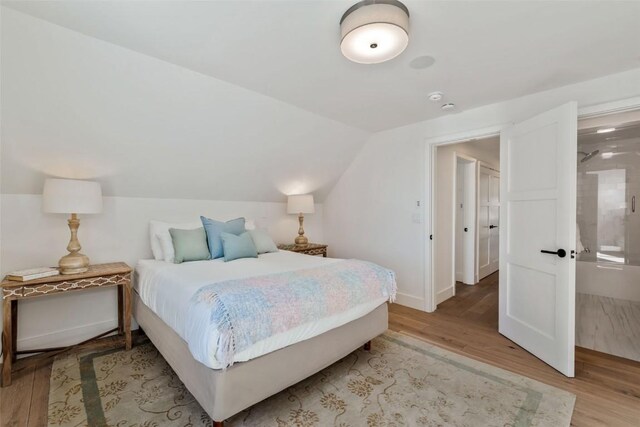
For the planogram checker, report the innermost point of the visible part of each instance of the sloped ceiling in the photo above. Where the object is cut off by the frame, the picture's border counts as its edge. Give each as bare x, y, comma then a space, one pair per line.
484, 51
251, 100
78, 107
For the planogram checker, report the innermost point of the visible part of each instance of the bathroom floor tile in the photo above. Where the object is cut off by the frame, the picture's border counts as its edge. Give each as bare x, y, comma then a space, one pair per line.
608, 325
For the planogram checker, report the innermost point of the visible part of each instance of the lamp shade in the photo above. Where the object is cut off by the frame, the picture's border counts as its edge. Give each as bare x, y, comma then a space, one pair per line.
300, 203
374, 31
71, 196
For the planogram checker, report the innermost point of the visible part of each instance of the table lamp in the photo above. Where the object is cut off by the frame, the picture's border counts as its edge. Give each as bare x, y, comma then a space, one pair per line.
300, 204
70, 196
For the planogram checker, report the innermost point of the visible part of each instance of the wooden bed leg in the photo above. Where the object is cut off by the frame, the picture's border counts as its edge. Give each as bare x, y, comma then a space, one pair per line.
367, 346
218, 424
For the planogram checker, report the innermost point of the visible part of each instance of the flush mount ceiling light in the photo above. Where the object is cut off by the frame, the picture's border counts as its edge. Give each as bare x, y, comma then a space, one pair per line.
374, 31
605, 130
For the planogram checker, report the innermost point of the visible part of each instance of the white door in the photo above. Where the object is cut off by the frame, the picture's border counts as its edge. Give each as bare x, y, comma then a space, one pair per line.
465, 214
538, 212
489, 221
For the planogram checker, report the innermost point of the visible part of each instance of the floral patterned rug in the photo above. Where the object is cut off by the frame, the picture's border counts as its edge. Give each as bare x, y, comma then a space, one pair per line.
401, 382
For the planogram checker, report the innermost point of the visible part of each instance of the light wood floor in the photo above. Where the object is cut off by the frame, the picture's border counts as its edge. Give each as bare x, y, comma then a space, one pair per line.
607, 387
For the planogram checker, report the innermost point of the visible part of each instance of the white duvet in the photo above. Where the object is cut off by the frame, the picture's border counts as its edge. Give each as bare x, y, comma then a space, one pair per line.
167, 289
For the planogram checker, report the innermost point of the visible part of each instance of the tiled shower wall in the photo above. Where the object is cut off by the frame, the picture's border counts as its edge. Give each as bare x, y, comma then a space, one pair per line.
606, 185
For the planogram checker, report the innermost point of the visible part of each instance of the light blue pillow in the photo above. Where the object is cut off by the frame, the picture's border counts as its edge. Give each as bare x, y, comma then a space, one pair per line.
214, 228
263, 241
189, 245
238, 246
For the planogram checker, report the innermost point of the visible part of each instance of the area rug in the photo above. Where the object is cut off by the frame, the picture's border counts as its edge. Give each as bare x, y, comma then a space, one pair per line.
401, 382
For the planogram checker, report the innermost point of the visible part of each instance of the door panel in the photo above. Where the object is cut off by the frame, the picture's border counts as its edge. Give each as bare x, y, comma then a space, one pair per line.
532, 284
532, 168
538, 212
494, 219
489, 221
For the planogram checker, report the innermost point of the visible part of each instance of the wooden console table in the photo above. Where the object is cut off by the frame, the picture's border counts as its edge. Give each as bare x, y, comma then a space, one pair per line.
98, 276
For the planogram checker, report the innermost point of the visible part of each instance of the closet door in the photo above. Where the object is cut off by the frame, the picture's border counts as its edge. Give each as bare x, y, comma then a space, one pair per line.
488, 221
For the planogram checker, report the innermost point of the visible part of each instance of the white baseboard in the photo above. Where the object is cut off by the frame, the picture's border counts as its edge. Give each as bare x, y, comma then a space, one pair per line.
410, 301
69, 336
445, 294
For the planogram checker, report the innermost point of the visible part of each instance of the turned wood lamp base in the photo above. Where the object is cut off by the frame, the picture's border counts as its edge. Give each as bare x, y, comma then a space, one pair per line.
74, 262
301, 240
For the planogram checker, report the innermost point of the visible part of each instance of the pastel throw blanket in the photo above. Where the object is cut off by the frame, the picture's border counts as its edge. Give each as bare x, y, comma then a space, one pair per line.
241, 312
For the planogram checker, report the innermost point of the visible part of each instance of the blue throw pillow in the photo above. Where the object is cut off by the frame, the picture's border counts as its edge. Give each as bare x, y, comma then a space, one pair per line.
214, 228
235, 247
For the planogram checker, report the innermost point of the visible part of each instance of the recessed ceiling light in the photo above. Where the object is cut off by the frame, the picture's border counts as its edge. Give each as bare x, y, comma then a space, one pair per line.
605, 130
422, 62
448, 106
374, 31
435, 96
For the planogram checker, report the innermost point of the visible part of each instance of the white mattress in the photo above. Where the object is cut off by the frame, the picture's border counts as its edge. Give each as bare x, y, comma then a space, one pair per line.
167, 289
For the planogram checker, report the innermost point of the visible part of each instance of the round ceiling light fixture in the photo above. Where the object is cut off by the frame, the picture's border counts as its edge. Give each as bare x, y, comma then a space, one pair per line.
374, 31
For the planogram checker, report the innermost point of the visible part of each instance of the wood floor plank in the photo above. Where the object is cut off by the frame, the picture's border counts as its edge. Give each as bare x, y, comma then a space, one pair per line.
40, 396
15, 400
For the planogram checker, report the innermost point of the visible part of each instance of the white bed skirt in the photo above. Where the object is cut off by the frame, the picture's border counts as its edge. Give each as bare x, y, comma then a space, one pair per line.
224, 393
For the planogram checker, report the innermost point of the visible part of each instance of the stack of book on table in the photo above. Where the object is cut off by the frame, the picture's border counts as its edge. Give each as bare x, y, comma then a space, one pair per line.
32, 274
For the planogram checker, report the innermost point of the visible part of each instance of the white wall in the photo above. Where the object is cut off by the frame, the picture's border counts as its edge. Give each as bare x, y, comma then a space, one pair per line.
120, 233
369, 212
372, 212
77, 107
165, 143
445, 192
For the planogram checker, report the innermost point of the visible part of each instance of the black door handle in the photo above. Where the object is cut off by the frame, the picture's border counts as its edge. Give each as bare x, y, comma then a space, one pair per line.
466, 229
493, 226
560, 252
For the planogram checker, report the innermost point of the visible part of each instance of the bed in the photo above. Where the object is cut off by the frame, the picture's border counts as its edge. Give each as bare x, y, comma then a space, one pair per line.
161, 298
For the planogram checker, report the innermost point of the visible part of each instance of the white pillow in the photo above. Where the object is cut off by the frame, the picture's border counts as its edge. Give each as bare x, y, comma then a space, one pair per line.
249, 224
162, 239
156, 249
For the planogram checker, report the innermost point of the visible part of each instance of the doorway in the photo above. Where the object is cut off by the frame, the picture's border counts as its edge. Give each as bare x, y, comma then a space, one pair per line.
537, 255
467, 205
536, 285
608, 235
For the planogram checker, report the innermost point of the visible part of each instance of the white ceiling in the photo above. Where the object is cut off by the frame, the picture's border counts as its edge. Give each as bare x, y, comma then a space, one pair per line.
484, 51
